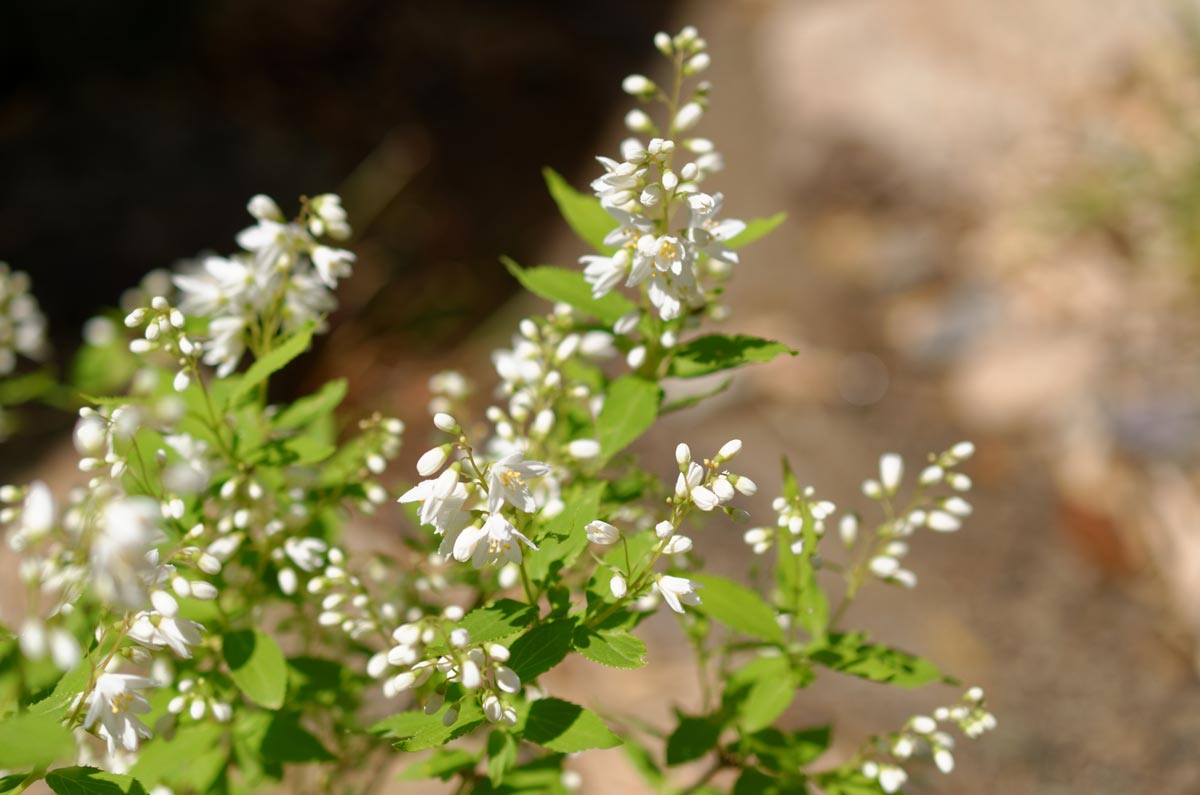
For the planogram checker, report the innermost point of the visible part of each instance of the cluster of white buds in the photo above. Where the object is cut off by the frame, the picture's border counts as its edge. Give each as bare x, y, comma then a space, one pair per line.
282, 280
379, 442
346, 603
791, 517
708, 485
163, 329
22, 325
943, 514
433, 645
531, 374
450, 390
197, 700
642, 189
970, 714
922, 734
97, 433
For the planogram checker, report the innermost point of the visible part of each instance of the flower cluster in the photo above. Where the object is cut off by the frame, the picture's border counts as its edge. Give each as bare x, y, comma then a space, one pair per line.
282, 279
922, 733
653, 251
475, 517
22, 325
201, 586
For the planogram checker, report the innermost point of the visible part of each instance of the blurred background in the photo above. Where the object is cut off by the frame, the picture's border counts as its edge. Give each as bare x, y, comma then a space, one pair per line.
994, 233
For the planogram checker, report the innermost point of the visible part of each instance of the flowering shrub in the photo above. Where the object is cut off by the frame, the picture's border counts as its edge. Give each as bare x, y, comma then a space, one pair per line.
195, 624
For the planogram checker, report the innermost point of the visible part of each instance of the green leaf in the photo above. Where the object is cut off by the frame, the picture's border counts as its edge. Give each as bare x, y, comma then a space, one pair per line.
565, 727
159, 762
502, 750
582, 213
287, 741
11, 782
643, 762
686, 402
403, 724
717, 352
541, 648
760, 691
313, 406
564, 539
693, 738
500, 619
785, 752
433, 732
629, 410
31, 740
759, 227
90, 781
274, 361
18, 389
614, 649
257, 666
443, 764
569, 287
850, 653
738, 608
70, 685
754, 782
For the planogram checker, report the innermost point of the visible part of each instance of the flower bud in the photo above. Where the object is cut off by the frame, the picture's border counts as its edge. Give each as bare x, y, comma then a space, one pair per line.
638, 85
687, 117
962, 451
599, 532
617, 586
683, 456
445, 422
697, 64
432, 460
583, 449
637, 121
891, 470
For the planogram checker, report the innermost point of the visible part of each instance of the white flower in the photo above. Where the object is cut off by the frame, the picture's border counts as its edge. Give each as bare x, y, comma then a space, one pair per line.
115, 702
157, 631
330, 217
332, 264
677, 591
37, 512
226, 343
507, 482
891, 778
309, 554
605, 273
218, 283
617, 586
495, 542
704, 498
127, 530
710, 235
599, 532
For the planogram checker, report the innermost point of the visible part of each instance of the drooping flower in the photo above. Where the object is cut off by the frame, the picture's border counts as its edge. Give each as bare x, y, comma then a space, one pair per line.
677, 591
115, 702
496, 542
127, 530
508, 482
